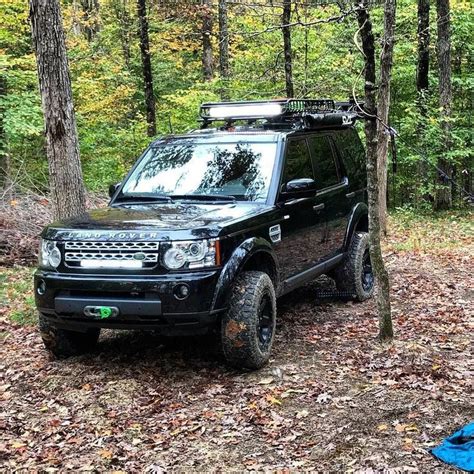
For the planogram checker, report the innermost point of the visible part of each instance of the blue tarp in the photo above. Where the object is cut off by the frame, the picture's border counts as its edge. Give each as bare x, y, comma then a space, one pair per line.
458, 449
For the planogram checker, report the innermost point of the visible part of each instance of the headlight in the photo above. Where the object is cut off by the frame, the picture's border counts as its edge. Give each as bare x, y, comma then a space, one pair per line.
192, 254
49, 254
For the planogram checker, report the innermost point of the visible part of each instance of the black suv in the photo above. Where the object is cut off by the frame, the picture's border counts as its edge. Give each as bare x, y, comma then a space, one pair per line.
209, 228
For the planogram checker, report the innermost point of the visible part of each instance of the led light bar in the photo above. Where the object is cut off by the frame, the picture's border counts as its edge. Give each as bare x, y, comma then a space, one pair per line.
111, 264
245, 110
299, 113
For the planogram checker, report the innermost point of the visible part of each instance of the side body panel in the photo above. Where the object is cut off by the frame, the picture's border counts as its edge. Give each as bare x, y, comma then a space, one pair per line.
303, 227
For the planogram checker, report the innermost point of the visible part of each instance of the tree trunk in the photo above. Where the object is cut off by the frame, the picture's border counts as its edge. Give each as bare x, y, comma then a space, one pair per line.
423, 45
383, 291
62, 144
422, 85
443, 199
125, 23
90, 9
3, 139
383, 136
223, 49
76, 26
146, 65
5, 171
206, 32
287, 51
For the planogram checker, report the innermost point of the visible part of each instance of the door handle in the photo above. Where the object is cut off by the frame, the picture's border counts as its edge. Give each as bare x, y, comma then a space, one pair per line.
318, 207
350, 195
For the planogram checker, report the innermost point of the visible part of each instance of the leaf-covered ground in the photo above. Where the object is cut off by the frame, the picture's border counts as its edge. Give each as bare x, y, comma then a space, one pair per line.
332, 397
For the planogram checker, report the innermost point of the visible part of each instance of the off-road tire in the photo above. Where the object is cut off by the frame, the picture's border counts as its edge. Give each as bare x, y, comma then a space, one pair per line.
240, 331
348, 276
64, 343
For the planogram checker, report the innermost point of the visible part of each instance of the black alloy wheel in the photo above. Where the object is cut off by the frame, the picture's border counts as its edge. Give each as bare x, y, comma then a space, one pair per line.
367, 275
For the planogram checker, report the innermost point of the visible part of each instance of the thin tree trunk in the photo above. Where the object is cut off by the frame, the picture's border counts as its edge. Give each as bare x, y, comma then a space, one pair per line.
443, 198
422, 85
3, 137
206, 32
383, 137
383, 291
62, 144
5, 171
423, 45
223, 49
287, 51
305, 88
125, 23
90, 9
76, 26
146, 65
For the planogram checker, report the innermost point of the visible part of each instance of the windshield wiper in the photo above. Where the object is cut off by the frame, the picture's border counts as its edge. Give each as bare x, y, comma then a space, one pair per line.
143, 197
203, 197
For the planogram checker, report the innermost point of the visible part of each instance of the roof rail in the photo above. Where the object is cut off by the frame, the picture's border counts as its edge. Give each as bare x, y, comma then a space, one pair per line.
302, 113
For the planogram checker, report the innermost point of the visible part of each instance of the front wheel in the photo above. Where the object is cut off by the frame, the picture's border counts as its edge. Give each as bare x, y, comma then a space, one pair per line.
355, 276
65, 343
248, 327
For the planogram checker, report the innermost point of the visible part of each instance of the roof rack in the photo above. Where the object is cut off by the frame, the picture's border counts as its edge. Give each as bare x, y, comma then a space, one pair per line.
299, 113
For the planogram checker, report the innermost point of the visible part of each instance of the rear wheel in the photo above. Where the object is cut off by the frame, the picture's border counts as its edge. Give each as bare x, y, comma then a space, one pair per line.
355, 275
248, 327
64, 342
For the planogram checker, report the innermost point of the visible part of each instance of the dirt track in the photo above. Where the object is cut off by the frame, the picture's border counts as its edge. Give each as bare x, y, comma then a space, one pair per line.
332, 397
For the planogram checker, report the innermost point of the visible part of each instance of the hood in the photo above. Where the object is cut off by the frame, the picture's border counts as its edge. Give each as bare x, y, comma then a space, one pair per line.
152, 221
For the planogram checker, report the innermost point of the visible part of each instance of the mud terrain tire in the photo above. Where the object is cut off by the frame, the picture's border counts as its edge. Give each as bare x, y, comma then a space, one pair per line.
354, 276
248, 326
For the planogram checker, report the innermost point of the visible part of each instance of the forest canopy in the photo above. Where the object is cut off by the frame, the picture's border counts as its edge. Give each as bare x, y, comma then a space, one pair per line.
105, 62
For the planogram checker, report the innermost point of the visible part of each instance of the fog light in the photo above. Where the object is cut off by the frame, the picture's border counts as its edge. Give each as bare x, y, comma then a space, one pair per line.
41, 288
181, 291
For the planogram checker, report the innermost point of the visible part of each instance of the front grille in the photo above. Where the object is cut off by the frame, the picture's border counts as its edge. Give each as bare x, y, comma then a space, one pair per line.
145, 253
127, 246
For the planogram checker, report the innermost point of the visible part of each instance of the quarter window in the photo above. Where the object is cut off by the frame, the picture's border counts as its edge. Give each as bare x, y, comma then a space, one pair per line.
324, 162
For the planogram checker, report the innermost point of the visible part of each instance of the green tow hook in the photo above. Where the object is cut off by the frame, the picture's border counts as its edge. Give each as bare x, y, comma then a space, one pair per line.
105, 312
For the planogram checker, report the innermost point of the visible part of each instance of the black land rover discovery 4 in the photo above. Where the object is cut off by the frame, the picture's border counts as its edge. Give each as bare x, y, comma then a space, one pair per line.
210, 228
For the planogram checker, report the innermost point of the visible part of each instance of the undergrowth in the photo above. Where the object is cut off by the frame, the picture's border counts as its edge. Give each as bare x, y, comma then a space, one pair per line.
16, 295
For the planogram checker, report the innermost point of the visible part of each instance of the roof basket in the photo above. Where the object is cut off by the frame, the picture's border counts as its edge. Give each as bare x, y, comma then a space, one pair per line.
304, 113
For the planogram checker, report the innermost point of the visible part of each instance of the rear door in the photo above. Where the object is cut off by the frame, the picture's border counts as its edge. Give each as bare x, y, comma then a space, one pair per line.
302, 226
332, 185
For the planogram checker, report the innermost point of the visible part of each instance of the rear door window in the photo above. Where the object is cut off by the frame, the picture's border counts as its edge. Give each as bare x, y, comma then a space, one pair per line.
325, 165
298, 161
352, 153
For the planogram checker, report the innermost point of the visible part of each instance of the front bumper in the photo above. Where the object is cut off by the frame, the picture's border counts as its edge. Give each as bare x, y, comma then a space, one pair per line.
143, 302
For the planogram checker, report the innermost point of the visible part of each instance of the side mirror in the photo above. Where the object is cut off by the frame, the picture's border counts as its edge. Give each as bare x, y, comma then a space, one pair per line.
300, 187
113, 189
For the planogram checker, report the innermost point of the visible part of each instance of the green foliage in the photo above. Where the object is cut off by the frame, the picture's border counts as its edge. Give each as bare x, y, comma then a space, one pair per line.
16, 294
108, 91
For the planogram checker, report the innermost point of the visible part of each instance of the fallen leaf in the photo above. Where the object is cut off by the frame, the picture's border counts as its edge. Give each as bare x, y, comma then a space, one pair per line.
273, 400
302, 414
266, 381
106, 454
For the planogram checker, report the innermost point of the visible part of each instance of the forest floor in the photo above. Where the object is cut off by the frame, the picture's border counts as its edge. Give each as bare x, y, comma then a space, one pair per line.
332, 398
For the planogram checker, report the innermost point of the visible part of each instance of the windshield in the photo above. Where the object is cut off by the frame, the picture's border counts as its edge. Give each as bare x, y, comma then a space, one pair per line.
241, 170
